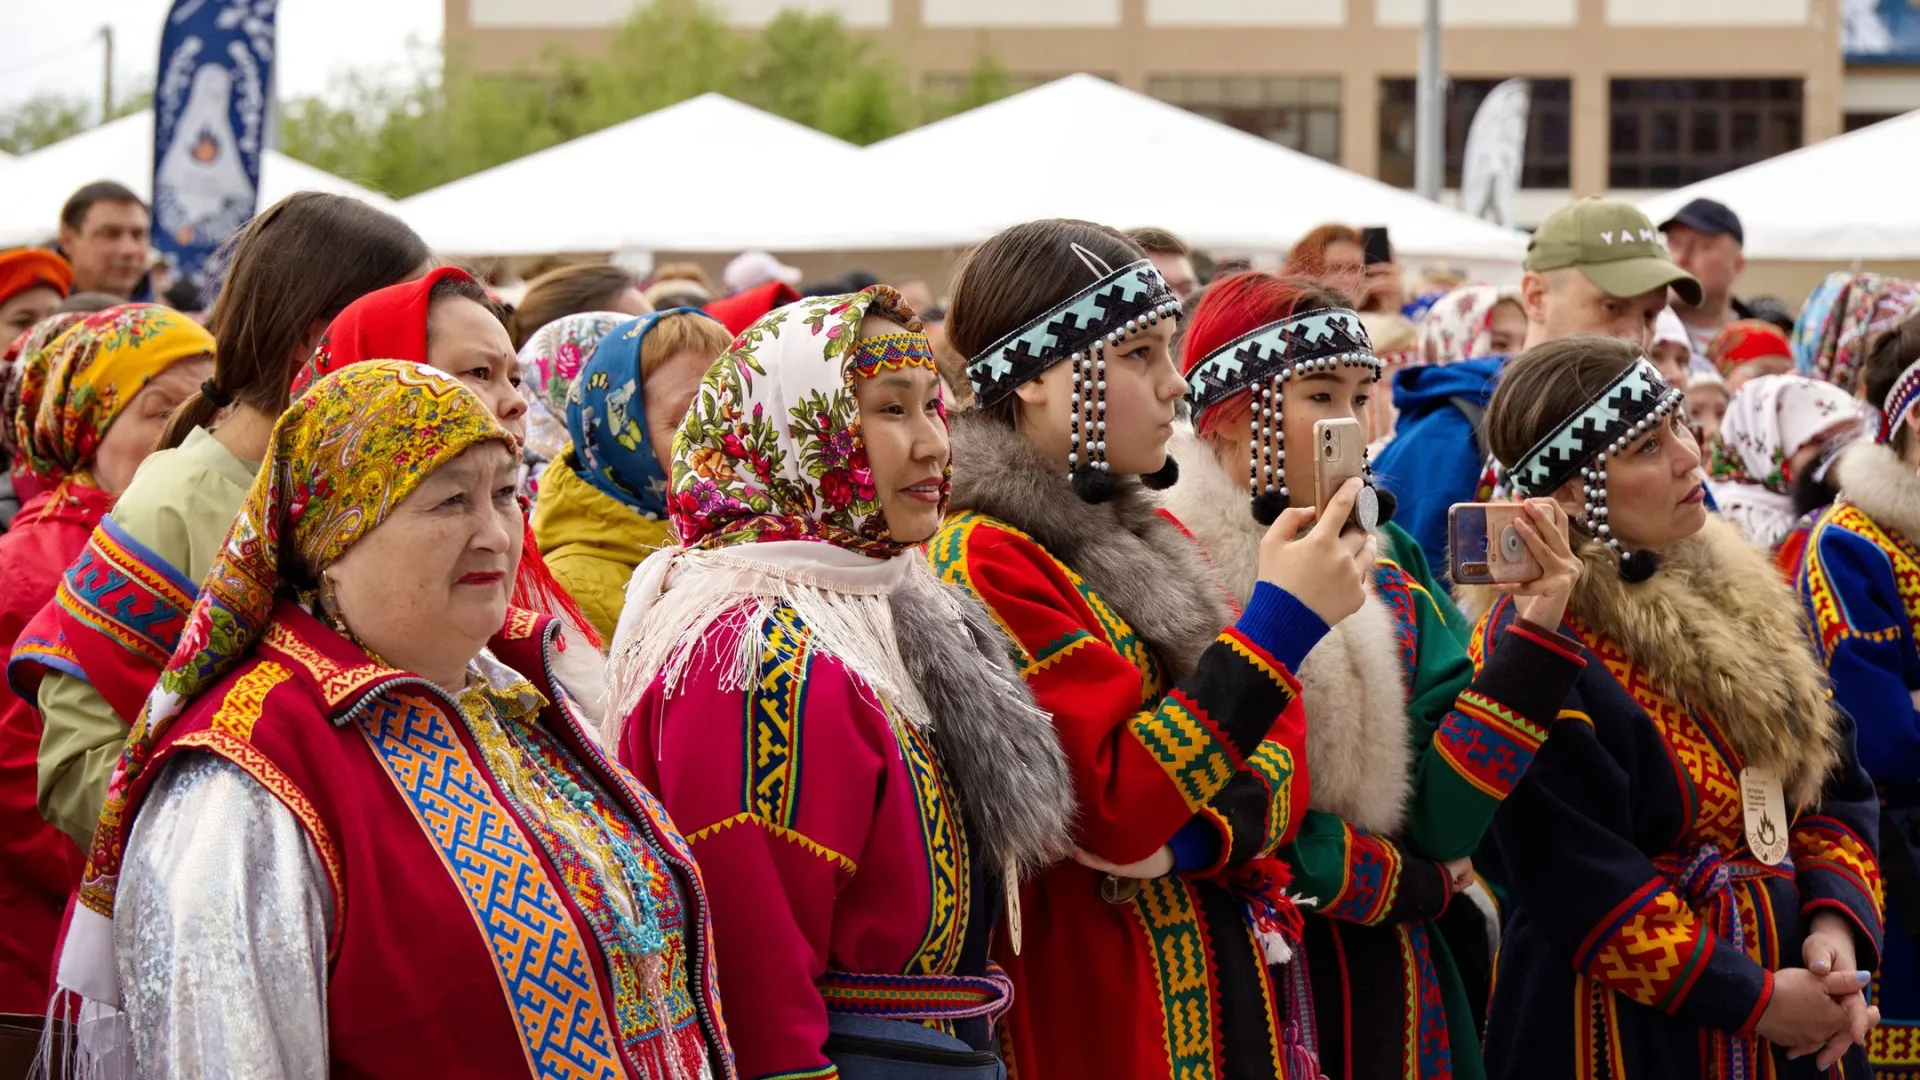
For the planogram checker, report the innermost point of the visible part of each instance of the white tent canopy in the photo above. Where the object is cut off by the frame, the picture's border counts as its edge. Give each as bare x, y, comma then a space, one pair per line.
707, 174
1083, 147
1843, 199
37, 185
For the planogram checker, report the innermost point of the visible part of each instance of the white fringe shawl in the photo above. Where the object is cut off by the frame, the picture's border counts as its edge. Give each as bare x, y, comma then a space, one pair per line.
678, 597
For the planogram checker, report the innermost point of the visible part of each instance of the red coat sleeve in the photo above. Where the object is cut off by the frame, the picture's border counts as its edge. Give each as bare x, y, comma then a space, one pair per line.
1143, 763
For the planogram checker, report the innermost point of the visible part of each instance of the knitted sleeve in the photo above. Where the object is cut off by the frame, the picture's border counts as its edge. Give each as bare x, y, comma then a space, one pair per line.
1144, 763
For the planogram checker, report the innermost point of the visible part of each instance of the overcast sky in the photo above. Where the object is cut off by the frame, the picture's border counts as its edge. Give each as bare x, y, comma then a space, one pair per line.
54, 45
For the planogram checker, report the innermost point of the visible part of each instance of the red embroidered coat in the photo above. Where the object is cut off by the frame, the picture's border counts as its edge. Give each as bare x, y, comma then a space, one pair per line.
39, 866
1173, 982
828, 834
459, 946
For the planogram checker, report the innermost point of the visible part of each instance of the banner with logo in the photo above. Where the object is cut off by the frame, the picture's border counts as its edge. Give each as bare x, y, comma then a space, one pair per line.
1496, 149
210, 116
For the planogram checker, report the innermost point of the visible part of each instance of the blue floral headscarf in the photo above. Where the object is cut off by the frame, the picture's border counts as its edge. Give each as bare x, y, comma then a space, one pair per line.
607, 419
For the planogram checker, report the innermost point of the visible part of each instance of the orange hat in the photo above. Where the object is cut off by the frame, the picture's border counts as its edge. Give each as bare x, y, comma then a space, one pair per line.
23, 268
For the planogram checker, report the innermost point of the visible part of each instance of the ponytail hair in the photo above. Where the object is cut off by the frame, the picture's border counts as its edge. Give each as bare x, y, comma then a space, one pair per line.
297, 263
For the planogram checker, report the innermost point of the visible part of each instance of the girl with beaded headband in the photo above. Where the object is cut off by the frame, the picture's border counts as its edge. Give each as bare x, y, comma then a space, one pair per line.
1690, 858
1180, 724
1859, 578
892, 778
1410, 755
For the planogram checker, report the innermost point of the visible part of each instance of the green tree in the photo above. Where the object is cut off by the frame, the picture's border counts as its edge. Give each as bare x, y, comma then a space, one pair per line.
45, 119
427, 128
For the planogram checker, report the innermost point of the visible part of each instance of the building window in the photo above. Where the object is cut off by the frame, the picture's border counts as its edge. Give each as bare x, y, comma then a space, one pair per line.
1301, 113
1857, 120
1549, 121
1670, 132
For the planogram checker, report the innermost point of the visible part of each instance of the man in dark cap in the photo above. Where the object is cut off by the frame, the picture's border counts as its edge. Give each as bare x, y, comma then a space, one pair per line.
1707, 241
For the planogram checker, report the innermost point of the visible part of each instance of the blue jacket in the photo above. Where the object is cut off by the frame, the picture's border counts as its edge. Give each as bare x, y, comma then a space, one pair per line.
1434, 460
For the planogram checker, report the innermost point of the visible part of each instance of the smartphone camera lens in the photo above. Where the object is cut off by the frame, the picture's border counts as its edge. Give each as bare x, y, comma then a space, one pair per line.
1511, 547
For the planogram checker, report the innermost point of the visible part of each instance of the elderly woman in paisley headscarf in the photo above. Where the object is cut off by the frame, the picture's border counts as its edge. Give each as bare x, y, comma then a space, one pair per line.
883, 778
550, 361
97, 392
374, 729
1768, 461
603, 505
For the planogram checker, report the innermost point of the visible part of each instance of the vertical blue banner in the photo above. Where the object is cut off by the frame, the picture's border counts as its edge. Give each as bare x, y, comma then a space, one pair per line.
209, 125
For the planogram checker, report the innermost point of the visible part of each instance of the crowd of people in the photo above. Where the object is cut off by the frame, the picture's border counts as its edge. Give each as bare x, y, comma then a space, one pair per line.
655, 677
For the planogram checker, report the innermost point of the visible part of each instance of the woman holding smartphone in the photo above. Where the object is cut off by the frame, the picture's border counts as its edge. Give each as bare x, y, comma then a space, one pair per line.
1409, 753
1690, 856
1148, 956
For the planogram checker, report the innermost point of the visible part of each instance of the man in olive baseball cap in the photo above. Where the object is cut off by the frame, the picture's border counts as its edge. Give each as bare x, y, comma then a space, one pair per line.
1598, 267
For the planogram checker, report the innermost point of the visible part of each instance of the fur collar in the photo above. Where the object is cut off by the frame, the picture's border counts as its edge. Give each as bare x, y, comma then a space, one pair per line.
1135, 560
1009, 771
1352, 688
1885, 488
1719, 628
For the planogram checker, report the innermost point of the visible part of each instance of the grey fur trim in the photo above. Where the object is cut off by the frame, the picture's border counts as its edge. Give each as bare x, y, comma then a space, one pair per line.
1134, 559
998, 747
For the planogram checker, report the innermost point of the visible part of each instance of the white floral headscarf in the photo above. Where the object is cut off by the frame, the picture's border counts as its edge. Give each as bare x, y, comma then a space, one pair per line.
549, 362
1769, 420
1460, 325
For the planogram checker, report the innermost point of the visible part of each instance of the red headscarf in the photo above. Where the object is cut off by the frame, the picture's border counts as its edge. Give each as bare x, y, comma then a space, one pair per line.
23, 268
385, 324
743, 309
1747, 339
391, 324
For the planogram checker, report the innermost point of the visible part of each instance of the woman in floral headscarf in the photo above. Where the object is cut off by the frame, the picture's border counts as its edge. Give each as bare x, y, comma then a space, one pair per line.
1765, 466
1841, 318
1471, 322
549, 363
375, 729
891, 777
604, 506
95, 399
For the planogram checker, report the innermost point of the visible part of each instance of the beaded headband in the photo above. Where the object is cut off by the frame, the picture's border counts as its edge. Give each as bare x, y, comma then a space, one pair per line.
1263, 360
891, 352
1900, 401
1111, 309
1633, 403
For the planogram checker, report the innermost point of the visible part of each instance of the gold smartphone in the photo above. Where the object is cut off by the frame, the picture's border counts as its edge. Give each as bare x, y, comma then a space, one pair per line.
1483, 548
1339, 455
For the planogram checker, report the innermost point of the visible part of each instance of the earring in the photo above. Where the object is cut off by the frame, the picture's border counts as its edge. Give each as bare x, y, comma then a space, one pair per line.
329, 601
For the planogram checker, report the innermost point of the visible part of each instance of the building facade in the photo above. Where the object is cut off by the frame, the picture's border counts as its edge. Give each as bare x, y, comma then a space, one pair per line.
1628, 95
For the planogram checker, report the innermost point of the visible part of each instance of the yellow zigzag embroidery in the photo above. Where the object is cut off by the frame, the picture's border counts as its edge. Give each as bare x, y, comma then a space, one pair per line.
790, 835
1255, 659
240, 710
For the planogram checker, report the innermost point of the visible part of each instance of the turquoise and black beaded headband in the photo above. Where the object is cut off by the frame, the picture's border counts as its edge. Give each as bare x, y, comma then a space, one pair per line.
1632, 403
1106, 312
1262, 361
1900, 401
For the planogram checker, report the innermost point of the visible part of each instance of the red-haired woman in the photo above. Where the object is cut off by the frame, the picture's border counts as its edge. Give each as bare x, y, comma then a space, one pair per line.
1409, 753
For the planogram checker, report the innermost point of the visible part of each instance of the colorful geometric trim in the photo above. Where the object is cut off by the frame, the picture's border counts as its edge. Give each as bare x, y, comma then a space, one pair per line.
50, 652
1432, 1042
1179, 950
1899, 402
793, 836
949, 883
1650, 947
1894, 1044
1135, 293
1273, 762
122, 589
1297, 345
1183, 740
1831, 620
1371, 879
891, 352
1487, 744
540, 955
1825, 844
240, 709
1597, 1051
774, 707
917, 997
